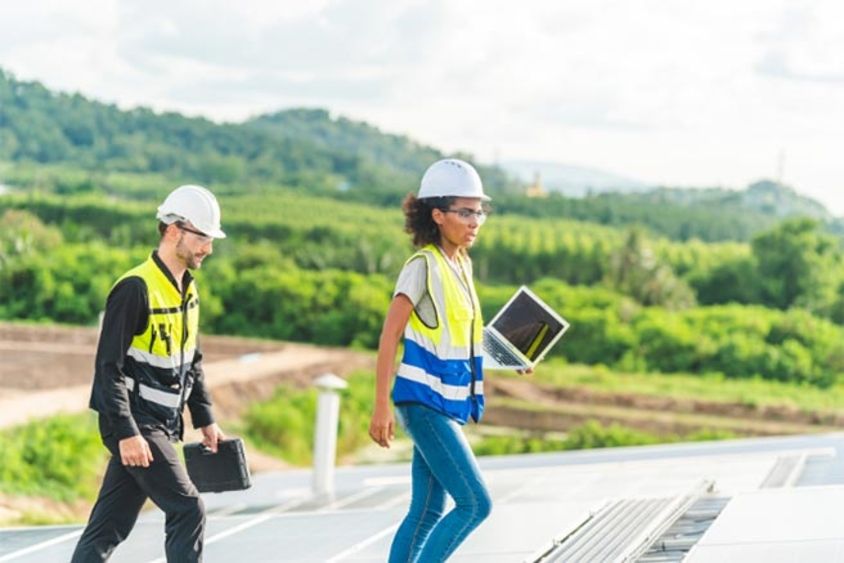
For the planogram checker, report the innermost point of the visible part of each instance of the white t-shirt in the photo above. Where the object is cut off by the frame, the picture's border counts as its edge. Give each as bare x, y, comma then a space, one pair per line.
413, 282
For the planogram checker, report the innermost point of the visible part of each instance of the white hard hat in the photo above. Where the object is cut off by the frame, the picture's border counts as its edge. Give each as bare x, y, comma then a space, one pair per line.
451, 177
195, 204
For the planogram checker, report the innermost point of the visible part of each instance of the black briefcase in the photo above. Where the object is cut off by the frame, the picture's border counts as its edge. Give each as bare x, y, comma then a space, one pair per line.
225, 470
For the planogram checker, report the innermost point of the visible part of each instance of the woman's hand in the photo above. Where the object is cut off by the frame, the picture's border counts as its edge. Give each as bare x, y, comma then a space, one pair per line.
527, 371
381, 428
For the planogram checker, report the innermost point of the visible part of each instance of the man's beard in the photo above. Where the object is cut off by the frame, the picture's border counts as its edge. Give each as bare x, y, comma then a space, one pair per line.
187, 257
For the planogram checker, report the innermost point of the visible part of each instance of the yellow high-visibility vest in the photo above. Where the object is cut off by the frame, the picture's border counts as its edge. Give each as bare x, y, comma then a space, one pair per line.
157, 364
442, 364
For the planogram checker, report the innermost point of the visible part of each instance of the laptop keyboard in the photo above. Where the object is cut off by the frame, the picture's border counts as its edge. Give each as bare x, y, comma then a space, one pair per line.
501, 353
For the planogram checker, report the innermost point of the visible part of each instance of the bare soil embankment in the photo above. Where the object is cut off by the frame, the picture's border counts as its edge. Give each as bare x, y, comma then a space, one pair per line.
529, 405
47, 369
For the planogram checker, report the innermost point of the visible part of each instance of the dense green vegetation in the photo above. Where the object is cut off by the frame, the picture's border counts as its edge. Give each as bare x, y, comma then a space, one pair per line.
794, 264
284, 424
737, 341
59, 458
325, 276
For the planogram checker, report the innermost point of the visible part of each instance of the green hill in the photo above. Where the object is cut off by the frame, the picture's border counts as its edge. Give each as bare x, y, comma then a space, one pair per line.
303, 148
68, 143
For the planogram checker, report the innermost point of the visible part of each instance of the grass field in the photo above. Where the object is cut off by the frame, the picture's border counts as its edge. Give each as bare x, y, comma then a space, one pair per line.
715, 388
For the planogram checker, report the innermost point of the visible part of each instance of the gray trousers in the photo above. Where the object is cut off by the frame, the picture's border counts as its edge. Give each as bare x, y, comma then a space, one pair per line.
123, 493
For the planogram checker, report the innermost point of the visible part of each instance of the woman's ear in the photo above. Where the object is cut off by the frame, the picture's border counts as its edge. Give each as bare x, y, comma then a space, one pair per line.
438, 216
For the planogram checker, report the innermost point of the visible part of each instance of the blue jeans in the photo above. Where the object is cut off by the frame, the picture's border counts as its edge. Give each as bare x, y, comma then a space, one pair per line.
442, 463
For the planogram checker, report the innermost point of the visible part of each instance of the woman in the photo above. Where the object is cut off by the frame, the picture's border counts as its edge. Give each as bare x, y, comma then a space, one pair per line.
439, 383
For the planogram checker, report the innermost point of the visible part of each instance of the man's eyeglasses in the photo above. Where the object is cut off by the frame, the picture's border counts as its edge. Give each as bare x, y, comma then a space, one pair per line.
466, 214
202, 236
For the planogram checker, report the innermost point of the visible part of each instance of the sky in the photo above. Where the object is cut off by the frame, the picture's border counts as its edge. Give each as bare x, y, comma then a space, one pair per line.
670, 92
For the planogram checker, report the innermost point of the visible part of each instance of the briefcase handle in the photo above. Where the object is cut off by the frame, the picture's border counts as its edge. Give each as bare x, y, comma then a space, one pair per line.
205, 450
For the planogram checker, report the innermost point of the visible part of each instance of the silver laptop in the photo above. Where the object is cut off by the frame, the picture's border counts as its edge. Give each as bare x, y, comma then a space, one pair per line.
522, 332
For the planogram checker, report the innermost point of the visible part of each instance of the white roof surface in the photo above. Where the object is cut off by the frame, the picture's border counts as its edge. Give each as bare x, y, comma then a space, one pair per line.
777, 526
537, 499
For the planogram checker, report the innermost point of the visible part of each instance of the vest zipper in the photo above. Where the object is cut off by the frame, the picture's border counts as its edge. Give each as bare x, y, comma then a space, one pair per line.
467, 286
463, 280
472, 355
184, 337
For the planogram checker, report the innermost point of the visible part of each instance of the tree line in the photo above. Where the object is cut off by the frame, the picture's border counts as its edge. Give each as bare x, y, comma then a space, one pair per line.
795, 264
258, 291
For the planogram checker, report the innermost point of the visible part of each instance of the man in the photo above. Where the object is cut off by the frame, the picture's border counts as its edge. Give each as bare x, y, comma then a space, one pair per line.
148, 367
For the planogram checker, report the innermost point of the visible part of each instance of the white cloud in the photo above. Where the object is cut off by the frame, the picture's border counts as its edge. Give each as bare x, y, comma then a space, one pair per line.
681, 92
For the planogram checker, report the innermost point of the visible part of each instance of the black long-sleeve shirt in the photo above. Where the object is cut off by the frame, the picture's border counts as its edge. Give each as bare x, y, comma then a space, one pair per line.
127, 315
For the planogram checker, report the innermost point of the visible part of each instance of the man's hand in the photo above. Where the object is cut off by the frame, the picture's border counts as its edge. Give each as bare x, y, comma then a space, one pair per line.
135, 452
211, 435
527, 371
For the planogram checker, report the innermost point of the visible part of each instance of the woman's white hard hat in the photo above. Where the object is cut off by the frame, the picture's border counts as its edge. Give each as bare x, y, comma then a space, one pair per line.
451, 177
194, 204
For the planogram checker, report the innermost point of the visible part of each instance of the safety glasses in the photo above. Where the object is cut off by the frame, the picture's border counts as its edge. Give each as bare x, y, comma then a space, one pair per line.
202, 236
465, 214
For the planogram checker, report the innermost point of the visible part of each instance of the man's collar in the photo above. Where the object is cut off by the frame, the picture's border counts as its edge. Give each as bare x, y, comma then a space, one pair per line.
186, 279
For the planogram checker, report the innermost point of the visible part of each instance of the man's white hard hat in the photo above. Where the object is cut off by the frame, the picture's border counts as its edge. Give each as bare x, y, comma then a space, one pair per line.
451, 177
194, 204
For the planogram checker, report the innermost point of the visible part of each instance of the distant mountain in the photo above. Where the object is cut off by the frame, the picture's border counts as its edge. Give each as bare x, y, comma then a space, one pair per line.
765, 197
573, 181
709, 214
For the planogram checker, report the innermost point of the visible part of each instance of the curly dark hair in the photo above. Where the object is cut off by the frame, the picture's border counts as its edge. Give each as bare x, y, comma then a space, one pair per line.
418, 221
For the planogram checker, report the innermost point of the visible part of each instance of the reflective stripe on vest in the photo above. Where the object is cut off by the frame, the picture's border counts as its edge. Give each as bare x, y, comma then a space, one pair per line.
158, 360
441, 362
164, 362
152, 395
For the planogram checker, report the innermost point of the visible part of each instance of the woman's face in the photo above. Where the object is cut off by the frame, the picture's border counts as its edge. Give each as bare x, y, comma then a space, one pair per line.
459, 224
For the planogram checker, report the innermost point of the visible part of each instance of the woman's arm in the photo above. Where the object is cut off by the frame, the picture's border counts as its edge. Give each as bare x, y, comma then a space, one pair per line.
381, 428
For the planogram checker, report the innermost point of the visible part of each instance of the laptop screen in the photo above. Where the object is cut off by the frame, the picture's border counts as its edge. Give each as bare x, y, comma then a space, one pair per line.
528, 326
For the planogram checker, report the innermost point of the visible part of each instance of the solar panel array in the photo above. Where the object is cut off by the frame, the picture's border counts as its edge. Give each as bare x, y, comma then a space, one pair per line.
538, 500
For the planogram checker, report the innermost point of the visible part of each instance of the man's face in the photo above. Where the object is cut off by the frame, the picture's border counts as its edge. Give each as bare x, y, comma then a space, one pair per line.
193, 246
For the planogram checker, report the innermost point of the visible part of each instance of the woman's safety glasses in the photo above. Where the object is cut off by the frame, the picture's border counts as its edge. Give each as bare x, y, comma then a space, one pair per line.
465, 214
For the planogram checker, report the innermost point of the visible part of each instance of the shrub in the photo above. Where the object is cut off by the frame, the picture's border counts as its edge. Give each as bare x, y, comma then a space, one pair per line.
58, 457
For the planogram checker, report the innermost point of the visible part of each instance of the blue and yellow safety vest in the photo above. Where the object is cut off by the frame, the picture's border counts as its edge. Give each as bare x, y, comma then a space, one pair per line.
442, 364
